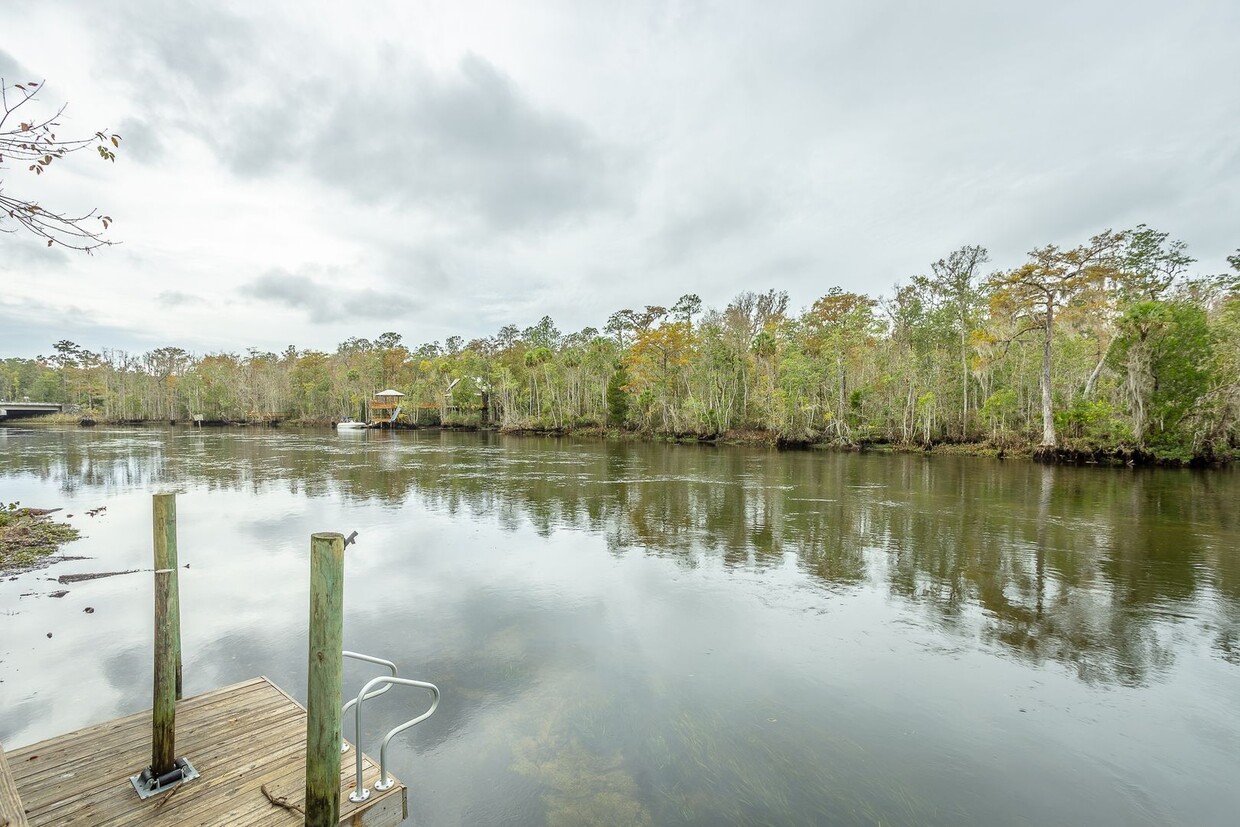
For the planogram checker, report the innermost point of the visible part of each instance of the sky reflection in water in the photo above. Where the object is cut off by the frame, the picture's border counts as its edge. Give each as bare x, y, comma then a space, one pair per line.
649, 634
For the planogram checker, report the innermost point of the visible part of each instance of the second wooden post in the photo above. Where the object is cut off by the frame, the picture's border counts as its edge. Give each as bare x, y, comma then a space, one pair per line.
167, 684
325, 680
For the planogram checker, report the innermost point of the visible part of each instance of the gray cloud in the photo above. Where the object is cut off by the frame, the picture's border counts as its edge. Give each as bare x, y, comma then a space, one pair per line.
195, 48
714, 222
463, 287
24, 253
189, 63
11, 70
29, 327
141, 141
176, 298
464, 140
468, 140
324, 301
495, 165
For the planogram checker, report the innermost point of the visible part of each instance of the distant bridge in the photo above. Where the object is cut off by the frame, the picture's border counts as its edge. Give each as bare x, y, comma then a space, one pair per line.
19, 410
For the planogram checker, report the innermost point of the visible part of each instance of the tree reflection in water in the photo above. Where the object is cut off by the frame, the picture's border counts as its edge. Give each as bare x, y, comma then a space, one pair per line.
1094, 568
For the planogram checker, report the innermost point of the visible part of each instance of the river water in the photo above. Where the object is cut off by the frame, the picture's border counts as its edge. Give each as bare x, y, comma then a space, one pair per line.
642, 634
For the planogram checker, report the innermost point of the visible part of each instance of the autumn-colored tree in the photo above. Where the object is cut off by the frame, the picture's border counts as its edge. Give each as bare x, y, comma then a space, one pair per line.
839, 326
311, 382
1053, 278
654, 362
1169, 347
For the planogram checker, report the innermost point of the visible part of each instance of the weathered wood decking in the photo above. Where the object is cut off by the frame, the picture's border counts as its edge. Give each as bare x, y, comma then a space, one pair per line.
11, 813
240, 738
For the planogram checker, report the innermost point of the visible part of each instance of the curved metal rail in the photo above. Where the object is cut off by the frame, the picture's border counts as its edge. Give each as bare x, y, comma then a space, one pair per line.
385, 782
344, 745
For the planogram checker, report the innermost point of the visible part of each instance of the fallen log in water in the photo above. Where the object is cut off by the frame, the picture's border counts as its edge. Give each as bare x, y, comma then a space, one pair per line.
78, 578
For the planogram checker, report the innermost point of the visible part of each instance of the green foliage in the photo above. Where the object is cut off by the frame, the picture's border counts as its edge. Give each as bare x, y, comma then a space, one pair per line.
8, 513
1166, 350
618, 397
1141, 356
1096, 421
1182, 358
999, 407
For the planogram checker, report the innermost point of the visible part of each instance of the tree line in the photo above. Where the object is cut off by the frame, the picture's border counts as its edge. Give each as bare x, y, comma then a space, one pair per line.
1108, 344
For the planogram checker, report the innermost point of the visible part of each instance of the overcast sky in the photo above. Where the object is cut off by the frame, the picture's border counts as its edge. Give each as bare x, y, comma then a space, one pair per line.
298, 173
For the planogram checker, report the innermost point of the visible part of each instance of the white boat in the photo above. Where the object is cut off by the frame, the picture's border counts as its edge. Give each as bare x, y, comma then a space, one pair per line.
350, 425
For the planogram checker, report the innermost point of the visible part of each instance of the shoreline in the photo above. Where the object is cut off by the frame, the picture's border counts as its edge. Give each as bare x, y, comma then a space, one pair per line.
1070, 452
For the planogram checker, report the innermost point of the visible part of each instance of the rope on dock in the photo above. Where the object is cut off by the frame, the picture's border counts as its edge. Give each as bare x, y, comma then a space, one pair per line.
168, 797
281, 801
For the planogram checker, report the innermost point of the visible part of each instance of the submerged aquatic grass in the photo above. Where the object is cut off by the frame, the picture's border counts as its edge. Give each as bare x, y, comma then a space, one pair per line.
585, 778
28, 536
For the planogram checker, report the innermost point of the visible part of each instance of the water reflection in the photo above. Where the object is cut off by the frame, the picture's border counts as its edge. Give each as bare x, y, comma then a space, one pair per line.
648, 634
1091, 568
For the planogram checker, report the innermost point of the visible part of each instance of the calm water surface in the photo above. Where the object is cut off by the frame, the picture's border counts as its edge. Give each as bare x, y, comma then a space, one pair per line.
647, 635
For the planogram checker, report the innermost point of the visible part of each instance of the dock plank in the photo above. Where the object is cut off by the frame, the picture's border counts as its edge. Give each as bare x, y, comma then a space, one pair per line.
138, 724
41, 770
220, 758
12, 811
239, 738
208, 726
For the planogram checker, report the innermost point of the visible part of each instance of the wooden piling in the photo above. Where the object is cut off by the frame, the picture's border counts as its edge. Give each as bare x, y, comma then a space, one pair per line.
164, 516
325, 680
167, 684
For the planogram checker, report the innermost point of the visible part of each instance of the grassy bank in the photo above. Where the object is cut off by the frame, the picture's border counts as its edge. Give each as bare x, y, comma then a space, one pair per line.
27, 536
1069, 452
47, 420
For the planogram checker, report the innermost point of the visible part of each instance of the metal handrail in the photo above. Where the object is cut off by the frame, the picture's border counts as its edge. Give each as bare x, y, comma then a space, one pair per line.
344, 745
385, 782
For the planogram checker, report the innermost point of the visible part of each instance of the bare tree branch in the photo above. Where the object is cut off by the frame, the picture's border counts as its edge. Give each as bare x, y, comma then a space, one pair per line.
36, 145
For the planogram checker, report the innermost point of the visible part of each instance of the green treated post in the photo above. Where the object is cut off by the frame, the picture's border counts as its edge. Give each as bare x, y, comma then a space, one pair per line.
164, 516
167, 635
325, 680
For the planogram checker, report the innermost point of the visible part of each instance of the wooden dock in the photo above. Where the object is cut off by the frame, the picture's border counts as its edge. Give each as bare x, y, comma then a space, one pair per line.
242, 739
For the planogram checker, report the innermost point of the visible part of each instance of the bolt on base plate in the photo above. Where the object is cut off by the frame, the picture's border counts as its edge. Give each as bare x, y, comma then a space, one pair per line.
147, 785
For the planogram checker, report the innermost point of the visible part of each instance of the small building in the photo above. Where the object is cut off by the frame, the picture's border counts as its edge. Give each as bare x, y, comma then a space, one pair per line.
385, 406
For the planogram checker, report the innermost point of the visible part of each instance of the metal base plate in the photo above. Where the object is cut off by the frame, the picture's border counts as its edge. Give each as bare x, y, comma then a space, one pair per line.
145, 791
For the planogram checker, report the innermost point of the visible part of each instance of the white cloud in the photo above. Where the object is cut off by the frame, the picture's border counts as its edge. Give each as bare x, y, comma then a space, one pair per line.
467, 165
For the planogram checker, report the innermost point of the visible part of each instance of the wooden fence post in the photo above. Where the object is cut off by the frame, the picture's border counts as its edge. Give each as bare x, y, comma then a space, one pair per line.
325, 680
167, 684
